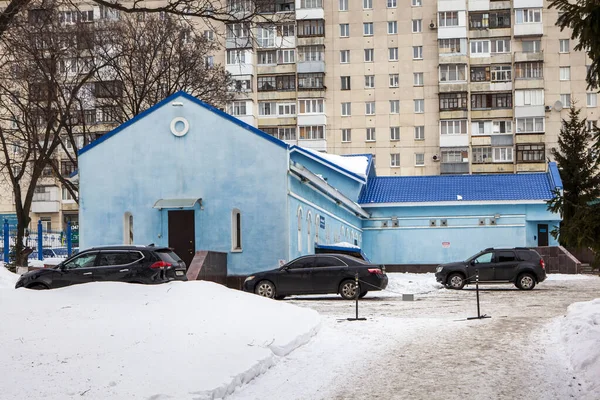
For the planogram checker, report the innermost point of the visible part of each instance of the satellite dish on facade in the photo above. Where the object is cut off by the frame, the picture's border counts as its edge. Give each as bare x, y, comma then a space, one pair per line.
558, 105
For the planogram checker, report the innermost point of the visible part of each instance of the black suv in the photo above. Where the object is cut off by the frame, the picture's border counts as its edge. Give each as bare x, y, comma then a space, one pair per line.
522, 266
134, 264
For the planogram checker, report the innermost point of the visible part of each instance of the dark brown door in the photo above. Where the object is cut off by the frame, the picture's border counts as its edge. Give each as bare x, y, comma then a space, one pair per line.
542, 234
182, 234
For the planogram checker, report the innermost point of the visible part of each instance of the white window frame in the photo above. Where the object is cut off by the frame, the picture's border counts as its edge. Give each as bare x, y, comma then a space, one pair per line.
368, 29
564, 46
369, 55
367, 4
419, 132
311, 106
528, 16
343, 5
267, 109
417, 3
286, 109
497, 125
344, 56
479, 48
591, 99
417, 25
449, 71
394, 133
452, 127
392, 27
369, 81
392, 3
394, 106
419, 106
505, 45
419, 159
394, 81
346, 135
565, 99
370, 135
448, 18
502, 154
344, 30
392, 54
537, 124
369, 108
418, 79
395, 160
565, 73
346, 109
417, 52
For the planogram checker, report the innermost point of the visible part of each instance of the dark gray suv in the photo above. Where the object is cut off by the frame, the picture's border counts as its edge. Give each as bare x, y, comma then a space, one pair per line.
521, 266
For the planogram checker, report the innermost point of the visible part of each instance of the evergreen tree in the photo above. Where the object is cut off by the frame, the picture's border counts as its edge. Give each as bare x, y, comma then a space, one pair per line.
578, 163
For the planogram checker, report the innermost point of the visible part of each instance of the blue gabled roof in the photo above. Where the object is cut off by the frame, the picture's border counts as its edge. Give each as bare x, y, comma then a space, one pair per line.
194, 100
370, 165
314, 155
554, 176
422, 189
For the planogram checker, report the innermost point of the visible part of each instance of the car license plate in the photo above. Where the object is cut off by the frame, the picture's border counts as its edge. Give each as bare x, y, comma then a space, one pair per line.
179, 273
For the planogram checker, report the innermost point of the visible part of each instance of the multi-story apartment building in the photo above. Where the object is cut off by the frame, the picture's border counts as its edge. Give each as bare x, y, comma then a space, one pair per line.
428, 87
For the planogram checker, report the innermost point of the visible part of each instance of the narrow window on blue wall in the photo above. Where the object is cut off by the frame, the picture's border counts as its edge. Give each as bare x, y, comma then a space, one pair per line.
317, 226
127, 228
236, 230
341, 239
300, 229
308, 225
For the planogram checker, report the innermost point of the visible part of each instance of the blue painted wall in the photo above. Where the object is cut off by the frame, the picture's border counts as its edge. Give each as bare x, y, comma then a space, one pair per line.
222, 163
415, 241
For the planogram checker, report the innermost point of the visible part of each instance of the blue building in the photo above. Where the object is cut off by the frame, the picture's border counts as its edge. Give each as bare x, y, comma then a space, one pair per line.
189, 176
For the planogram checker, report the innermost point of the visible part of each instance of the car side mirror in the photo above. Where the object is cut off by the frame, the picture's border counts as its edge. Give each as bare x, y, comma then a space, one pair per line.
472, 262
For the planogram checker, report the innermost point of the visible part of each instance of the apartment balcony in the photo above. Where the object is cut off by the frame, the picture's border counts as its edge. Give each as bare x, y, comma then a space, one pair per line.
318, 145
445, 87
310, 93
479, 5
481, 140
530, 111
310, 13
528, 3
529, 29
451, 5
491, 113
500, 5
275, 69
493, 168
276, 95
240, 69
238, 43
502, 140
501, 58
249, 119
285, 42
310, 66
453, 58
461, 140
531, 166
46, 202
490, 86
536, 83
456, 114
450, 32
521, 56
312, 119
481, 60
310, 41
454, 168
277, 121
489, 32
530, 138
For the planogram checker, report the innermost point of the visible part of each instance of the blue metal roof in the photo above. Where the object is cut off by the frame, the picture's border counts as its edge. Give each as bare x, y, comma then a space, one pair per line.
421, 189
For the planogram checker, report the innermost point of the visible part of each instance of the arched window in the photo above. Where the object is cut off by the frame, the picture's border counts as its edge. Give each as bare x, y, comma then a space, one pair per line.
347, 235
236, 230
341, 239
300, 229
317, 227
127, 228
308, 225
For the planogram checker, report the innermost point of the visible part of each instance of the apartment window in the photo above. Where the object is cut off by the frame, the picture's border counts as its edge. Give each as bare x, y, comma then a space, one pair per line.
501, 127
479, 20
344, 30
343, 5
480, 128
500, 45
419, 133
266, 57
394, 133
417, 52
238, 108
367, 4
453, 72
370, 134
344, 56
265, 36
346, 109
502, 154
565, 73
417, 3
368, 29
563, 45
529, 70
394, 80
311, 4
531, 46
489, 100
501, 73
236, 57
287, 56
311, 81
452, 156
345, 82
393, 54
267, 108
240, 30
311, 106
499, 19
480, 47
418, 79
528, 16
281, 133
453, 127
393, 27
311, 27
419, 106
369, 55
482, 155
453, 101
531, 153
369, 81
286, 109
592, 126
592, 99
391, 3
346, 135
530, 125
480, 74
394, 106
565, 99
419, 159
311, 53
530, 97
370, 108
312, 132
286, 30
448, 18
395, 160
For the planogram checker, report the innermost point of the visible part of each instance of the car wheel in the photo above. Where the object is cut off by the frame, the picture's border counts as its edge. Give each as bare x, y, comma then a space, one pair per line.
37, 286
265, 289
279, 297
348, 289
525, 282
363, 294
455, 281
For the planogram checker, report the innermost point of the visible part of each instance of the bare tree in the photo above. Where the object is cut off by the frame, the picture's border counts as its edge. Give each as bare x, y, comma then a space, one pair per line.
45, 67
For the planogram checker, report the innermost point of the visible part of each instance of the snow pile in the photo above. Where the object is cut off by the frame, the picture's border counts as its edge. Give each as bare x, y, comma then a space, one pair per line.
180, 340
345, 245
580, 334
407, 283
356, 164
7, 278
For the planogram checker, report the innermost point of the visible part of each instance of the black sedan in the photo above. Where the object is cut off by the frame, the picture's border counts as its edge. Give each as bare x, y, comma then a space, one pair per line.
133, 264
318, 274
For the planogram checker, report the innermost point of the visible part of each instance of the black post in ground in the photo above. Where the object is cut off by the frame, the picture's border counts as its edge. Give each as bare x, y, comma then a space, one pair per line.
479, 316
356, 293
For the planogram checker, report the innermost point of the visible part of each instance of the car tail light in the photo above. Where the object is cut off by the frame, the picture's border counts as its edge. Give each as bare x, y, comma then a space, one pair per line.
160, 264
375, 271
542, 263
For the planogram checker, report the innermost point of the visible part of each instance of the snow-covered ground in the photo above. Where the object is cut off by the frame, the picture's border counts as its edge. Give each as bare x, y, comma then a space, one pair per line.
199, 340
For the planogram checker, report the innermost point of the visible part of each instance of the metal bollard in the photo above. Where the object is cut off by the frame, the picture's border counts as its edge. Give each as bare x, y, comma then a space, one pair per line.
479, 316
356, 294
